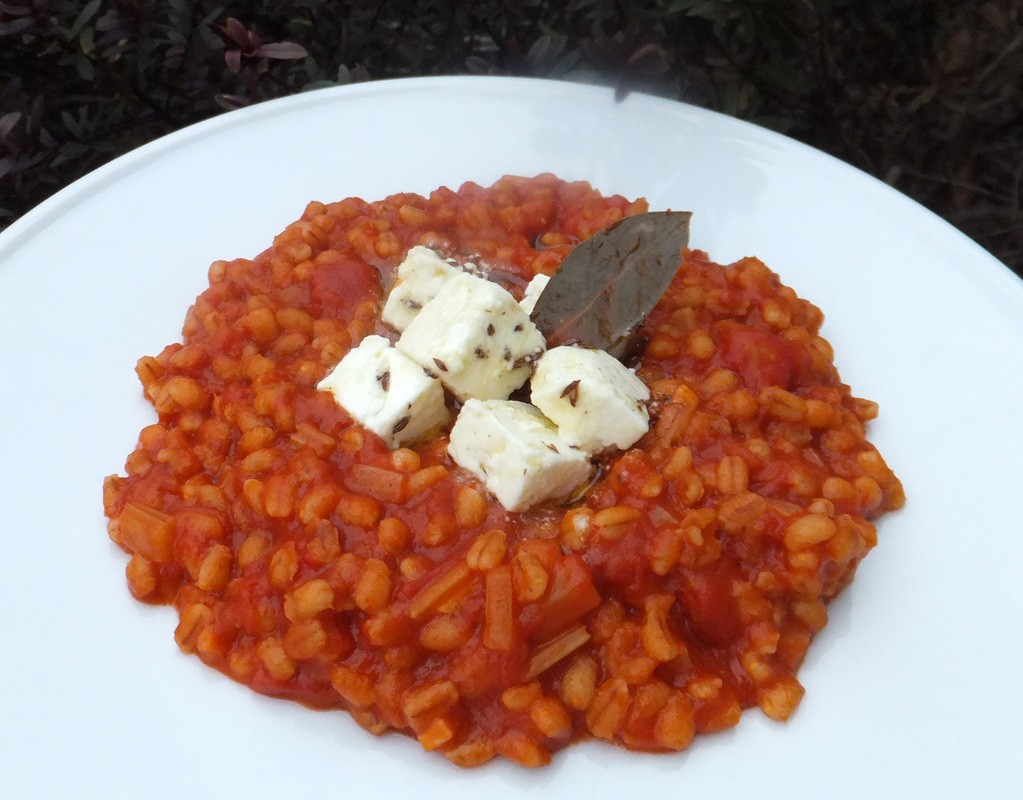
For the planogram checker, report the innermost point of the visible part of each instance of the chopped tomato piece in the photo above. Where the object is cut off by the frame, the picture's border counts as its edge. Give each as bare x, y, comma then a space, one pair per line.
708, 604
761, 358
571, 595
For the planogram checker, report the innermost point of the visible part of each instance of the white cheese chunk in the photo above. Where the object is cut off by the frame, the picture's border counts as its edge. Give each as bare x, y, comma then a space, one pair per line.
533, 291
517, 453
420, 277
475, 338
387, 392
595, 401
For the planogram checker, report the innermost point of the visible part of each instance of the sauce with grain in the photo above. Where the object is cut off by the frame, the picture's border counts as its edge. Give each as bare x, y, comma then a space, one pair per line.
308, 561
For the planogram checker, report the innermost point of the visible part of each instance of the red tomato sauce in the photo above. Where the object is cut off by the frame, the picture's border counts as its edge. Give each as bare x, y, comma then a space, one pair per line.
308, 561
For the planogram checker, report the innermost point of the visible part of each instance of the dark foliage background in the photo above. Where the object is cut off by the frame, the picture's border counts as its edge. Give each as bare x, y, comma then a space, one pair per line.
925, 94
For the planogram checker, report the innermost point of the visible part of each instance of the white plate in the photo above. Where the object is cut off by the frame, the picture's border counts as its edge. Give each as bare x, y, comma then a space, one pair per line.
912, 690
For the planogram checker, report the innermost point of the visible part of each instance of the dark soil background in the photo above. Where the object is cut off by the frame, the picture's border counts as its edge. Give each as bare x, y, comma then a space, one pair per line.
927, 95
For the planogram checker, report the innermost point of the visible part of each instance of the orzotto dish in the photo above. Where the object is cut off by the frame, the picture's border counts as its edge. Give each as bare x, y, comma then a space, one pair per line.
312, 559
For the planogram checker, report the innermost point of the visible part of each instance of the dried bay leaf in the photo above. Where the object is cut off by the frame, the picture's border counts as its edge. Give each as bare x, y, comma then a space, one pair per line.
609, 283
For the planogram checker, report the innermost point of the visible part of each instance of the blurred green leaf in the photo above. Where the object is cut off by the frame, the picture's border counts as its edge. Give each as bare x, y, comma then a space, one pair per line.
86, 71
16, 25
86, 14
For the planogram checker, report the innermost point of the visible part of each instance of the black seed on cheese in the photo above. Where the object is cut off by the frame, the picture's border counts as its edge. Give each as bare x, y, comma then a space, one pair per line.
440, 365
385, 380
399, 426
490, 330
479, 352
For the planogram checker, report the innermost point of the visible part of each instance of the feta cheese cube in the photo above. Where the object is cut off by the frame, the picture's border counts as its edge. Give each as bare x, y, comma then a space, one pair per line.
533, 291
475, 338
420, 276
387, 392
517, 453
595, 401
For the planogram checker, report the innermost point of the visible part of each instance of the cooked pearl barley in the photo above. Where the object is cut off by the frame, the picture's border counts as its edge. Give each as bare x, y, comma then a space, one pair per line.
313, 558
